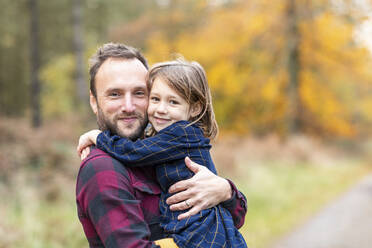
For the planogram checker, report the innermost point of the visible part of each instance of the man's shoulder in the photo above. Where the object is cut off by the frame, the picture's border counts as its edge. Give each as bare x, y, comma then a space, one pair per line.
95, 158
99, 169
99, 161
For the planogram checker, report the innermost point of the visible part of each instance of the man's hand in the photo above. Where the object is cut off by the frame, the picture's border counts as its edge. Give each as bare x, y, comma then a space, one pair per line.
202, 191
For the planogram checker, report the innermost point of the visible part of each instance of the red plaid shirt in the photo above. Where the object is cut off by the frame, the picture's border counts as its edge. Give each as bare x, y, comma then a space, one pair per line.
118, 206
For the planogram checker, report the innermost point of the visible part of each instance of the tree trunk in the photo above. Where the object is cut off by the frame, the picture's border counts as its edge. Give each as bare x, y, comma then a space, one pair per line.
294, 105
78, 44
35, 64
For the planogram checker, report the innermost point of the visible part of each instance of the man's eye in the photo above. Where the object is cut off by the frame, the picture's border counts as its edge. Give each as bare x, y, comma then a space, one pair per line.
139, 93
114, 94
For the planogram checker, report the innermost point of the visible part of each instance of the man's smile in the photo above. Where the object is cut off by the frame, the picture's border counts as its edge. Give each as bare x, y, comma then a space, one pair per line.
128, 119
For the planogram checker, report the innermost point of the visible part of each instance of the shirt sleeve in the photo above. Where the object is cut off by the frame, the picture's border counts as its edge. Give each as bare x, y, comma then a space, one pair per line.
107, 208
237, 206
164, 147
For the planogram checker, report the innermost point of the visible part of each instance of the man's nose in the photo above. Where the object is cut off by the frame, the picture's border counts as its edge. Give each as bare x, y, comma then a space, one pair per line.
128, 105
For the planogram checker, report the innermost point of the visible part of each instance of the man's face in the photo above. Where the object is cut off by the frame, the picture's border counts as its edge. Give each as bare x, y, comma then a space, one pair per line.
122, 97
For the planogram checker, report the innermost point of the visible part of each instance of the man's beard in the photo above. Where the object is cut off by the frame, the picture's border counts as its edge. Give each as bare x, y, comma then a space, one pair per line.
106, 124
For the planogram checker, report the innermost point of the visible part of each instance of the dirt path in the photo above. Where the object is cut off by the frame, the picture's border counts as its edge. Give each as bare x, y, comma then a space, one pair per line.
345, 223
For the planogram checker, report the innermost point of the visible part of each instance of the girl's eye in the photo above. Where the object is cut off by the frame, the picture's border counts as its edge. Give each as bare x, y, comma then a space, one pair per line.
173, 102
155, 99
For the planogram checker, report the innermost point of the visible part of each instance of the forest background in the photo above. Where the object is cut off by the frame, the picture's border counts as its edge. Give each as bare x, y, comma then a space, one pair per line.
292, 90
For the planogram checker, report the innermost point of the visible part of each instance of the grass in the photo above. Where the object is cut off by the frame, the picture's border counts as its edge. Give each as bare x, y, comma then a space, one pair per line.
281, 197
38, 171
33, 221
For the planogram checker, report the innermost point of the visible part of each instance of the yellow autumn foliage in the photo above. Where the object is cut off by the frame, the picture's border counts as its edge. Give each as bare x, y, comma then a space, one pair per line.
58, 87
244, 50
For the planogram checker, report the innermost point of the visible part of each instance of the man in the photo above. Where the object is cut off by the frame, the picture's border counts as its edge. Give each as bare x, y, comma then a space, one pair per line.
119, 206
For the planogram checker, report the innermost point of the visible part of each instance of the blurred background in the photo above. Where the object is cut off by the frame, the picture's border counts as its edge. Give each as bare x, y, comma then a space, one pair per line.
292, 90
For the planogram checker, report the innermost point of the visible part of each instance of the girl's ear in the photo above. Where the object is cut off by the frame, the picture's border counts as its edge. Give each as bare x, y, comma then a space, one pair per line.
195, 109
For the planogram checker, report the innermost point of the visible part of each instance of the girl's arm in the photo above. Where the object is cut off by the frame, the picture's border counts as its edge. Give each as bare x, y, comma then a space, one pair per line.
168, 145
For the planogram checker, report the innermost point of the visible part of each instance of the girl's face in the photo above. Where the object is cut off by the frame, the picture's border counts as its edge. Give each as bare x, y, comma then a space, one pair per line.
166, 106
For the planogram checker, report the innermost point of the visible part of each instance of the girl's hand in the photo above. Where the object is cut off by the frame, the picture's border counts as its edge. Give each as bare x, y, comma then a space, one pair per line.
85, 153
86, 140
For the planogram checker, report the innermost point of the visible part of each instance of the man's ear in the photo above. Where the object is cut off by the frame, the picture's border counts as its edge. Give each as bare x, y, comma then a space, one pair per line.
93, 102
195, 109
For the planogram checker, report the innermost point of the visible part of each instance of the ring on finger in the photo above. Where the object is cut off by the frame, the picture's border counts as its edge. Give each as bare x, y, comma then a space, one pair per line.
187, 204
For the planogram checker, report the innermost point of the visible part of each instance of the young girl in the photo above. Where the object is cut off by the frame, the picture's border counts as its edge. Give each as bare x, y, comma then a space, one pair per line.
182, 118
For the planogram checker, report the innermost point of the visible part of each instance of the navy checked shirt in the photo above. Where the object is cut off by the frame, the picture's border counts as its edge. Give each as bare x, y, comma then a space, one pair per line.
166, 151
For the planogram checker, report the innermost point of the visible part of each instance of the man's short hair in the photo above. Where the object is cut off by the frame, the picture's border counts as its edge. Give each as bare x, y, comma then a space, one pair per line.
111, 50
